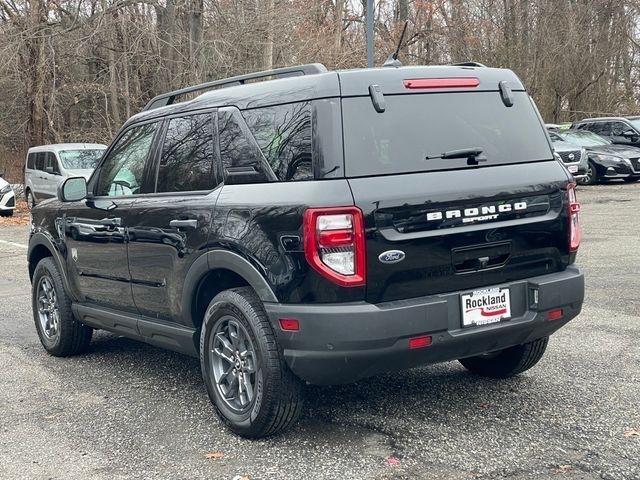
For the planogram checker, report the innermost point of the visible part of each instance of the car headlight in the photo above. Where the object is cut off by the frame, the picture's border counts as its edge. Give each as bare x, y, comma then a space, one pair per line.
583, 154
5, 189
603, 157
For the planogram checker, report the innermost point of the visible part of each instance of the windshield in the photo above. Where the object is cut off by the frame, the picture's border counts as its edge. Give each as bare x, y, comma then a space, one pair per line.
414, 127
84, 159
584, 138
635, 122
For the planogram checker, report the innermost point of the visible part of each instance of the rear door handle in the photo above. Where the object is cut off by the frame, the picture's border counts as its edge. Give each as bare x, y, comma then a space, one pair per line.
191, 224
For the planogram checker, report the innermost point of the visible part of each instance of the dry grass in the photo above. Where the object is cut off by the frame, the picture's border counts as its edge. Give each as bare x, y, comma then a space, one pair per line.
20, 215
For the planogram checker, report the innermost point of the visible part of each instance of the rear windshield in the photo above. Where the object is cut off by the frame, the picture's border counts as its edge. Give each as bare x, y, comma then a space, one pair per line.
84, 159
414, 127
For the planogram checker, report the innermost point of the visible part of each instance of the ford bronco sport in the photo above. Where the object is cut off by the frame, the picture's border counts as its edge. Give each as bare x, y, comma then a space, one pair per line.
318, 226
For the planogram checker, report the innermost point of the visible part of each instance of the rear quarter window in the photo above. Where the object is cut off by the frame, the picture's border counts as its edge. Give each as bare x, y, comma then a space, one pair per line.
283, 133
31, 161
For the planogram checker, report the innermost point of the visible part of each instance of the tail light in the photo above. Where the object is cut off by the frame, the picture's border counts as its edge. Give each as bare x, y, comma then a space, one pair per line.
334, 244
575, 229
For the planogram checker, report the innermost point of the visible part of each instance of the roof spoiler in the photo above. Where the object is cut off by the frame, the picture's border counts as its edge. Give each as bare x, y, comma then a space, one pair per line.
468, 64
170, 98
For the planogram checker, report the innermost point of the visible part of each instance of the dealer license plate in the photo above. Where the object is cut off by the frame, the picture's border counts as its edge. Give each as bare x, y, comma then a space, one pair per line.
483, 307
573, 168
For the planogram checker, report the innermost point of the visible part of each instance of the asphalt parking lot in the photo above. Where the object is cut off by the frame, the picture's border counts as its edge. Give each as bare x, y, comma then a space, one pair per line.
127, 410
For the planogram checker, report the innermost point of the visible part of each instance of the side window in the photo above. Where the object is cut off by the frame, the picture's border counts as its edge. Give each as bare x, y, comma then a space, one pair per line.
618, 128
51, 163
40, 161
122, 172
187, 157
31, 161
284, 135
601, 128
242, 159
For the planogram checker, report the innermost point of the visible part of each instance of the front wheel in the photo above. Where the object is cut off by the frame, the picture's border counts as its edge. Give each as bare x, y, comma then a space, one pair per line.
508, 362
31, 201
60, 333
591, 176
254, 392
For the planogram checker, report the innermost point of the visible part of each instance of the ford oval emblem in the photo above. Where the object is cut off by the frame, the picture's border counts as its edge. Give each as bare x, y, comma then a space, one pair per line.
391, 256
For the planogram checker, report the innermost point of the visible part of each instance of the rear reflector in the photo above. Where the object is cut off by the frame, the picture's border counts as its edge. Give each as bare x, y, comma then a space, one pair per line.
420, 342
289, 324
418, 83
575, 229
554, 314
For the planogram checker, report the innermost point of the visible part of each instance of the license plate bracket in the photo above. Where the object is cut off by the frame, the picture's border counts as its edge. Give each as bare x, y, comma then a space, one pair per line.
484, 307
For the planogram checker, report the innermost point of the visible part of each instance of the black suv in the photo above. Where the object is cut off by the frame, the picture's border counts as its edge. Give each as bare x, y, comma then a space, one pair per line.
319, 226
620, 130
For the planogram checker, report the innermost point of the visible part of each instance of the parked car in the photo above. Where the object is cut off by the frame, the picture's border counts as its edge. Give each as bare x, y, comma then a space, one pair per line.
47, 166
318, 226
618, 130
572, 156
7, 198
607, 161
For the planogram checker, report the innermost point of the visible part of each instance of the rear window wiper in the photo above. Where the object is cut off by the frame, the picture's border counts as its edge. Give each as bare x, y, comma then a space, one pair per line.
472, 154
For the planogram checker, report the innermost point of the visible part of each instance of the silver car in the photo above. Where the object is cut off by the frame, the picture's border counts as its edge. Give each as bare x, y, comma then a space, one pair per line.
573, 157
47, 166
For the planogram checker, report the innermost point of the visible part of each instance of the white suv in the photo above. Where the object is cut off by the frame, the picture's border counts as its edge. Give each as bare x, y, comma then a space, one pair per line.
7, 198
47, 167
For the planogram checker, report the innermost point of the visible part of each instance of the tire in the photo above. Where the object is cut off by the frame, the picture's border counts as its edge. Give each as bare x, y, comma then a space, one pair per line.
591, 176
60, 333
31, 201
277, 395
6, 213
508, 362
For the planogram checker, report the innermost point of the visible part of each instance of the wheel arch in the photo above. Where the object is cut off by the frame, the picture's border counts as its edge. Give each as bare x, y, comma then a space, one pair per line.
41, 246
215, 272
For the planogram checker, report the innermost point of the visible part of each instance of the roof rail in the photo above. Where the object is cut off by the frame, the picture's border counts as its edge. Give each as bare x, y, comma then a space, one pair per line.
468, 64
170, 97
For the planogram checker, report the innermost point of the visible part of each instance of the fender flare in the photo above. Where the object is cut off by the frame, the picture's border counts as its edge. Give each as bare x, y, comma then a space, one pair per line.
223, 260
41, 239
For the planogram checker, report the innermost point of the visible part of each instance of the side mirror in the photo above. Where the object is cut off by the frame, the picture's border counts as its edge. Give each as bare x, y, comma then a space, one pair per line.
630, 134
73, 189
49, 170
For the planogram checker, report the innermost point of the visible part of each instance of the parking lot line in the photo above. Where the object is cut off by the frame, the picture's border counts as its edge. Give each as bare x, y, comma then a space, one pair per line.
6, 242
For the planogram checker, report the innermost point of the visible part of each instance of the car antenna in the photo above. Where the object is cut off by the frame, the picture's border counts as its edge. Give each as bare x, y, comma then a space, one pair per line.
392, 60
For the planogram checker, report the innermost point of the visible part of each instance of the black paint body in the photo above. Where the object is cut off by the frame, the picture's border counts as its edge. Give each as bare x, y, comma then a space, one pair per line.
130, 271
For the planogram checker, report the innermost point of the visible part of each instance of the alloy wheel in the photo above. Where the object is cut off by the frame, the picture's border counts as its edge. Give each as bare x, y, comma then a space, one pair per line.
30, 202
48, 312
233, 362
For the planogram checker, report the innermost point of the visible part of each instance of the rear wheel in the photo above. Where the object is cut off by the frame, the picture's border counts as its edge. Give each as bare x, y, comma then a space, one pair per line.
6, 213
508, 362
247, 379
591, 176
60, 334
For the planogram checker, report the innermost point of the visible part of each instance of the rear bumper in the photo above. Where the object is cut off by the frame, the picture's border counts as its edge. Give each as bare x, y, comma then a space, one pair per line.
341, 343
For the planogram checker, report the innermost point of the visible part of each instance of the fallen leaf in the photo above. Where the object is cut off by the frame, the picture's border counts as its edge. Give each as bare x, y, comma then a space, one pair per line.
214, 455
241, 477
563, 469
631, 433
393, 462
484, 405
